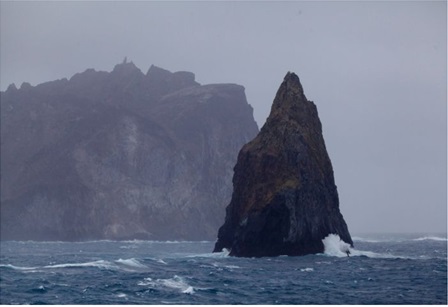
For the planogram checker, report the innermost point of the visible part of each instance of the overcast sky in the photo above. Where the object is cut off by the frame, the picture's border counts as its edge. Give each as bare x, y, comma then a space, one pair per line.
377, 72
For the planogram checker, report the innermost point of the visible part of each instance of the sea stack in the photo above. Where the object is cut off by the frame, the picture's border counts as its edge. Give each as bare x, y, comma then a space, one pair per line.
284, 200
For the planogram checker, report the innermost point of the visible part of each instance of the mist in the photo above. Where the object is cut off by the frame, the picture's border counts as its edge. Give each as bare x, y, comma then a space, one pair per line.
377, 72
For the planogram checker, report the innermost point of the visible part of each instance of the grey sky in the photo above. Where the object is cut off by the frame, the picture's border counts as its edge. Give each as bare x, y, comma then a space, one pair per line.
377, 72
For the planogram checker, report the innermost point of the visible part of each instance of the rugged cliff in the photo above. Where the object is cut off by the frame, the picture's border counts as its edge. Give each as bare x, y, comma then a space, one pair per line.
120, 155
284, 200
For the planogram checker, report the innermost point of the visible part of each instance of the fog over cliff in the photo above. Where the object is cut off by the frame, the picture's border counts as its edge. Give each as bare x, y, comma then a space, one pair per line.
376, 69
120, 155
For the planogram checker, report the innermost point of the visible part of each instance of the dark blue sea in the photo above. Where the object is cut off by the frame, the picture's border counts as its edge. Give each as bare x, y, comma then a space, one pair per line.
382, 269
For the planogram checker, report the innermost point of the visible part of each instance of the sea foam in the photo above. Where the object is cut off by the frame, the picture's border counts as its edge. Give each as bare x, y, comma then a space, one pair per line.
368, 240
176, 282
307, 270
224, 253
335, 247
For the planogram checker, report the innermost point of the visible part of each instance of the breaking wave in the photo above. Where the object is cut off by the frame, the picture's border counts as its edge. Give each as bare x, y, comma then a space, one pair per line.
176, 282
335, 247
135, 241
18, 268
224, 253
431, 238
99, 264
132, 262
368, 240
102, 264
398, 239
307, 270
107, 274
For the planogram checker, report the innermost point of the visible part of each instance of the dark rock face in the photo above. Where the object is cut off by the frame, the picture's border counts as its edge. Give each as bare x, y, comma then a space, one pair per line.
284, 200
120, 155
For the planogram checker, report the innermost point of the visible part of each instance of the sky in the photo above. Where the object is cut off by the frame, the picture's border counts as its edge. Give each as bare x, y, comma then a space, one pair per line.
376, 70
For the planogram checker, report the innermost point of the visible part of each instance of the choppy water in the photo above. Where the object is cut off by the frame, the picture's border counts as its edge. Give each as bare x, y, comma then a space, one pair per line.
381, 270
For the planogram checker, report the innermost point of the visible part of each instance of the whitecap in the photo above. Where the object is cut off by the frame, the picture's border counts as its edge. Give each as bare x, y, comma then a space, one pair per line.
182, 242
335, 247
132, 262
354, 252
147, 282
158, 260
382, 239
189, 290
431, 238
102, 264
220, 266
232, 267
18, 268
129, 246
394, 238
307, 270
224, 253
360, 239
176, 282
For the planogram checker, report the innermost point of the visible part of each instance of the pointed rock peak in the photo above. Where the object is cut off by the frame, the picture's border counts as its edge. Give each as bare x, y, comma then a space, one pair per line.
11, 88
291, 84
291, 76
290, 99
284, 200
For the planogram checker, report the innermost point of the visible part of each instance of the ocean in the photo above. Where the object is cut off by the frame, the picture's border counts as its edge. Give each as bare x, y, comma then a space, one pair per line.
381, 269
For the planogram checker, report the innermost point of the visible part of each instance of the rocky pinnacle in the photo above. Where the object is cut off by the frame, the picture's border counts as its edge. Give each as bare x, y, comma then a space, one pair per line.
284, 200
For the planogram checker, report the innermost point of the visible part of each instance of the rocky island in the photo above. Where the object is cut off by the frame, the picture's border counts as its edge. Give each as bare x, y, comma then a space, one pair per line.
284, 198
120, 155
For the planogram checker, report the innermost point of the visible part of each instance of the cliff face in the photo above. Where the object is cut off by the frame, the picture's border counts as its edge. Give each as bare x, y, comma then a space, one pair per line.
284, 200
120, 155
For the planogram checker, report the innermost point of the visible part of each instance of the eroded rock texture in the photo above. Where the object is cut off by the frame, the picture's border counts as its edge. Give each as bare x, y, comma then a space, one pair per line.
284, 200
120, 155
